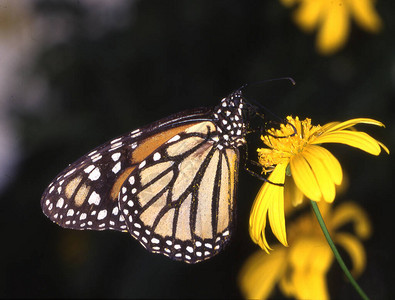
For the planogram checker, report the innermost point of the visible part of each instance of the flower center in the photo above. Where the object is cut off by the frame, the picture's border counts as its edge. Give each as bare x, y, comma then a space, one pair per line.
289, 140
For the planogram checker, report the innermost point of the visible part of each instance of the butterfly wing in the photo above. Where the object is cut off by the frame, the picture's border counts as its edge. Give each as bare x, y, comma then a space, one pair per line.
179, 201
85, 194
171, 184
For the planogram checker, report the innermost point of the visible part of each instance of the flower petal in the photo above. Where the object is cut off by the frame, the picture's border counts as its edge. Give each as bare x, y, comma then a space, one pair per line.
334, 126
304, 177
308, 14
355, 250
351, 213
357, 139
334, 29
365, 15
277, 218
260, 273
291, 194
310, 259
332, 164
268, 193
322, 175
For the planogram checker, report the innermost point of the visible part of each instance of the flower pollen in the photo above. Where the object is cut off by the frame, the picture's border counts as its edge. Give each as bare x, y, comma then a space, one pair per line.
291, 139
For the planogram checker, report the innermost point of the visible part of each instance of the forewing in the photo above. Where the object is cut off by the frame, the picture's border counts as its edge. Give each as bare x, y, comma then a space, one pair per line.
179, 201
85, 194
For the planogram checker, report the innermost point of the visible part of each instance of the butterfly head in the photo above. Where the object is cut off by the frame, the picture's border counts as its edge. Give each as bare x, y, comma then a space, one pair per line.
231, 118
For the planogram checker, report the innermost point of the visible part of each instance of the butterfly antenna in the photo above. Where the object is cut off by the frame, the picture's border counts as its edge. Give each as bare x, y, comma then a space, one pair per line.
261, 106
267, 80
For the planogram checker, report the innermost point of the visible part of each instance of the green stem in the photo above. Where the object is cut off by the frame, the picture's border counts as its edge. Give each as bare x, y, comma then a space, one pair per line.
336, 253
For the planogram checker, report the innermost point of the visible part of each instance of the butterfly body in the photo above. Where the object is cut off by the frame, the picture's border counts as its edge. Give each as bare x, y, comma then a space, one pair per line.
171, 184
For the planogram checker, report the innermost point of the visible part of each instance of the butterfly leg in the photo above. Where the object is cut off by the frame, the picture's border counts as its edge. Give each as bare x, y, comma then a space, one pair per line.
259, 176
248, 162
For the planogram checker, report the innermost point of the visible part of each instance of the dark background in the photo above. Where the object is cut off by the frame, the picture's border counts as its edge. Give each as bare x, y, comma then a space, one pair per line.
112, 72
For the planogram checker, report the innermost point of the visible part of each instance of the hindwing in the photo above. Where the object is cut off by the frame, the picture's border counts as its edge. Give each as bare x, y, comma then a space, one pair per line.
180, 200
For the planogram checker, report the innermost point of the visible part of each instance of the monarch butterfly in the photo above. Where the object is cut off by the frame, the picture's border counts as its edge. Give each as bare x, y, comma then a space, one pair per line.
171, 184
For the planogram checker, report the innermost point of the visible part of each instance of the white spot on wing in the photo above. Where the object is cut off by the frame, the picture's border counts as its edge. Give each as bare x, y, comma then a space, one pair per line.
69, 172
94, 198
174, 138
95, 175
60, 203
116, 156
102, 214
89, 169
93, 152
115, 211
116, 168
156, 156
96, 157
115, 146
116, 140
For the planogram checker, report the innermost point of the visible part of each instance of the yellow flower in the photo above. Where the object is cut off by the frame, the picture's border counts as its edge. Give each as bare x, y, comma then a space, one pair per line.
294, 150
332, 17
300, 270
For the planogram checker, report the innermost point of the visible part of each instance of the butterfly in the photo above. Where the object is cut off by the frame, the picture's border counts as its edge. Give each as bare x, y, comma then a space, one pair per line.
171, 184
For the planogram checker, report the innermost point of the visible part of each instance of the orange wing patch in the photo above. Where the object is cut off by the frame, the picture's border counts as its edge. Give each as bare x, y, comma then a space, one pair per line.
147, 146
144, 149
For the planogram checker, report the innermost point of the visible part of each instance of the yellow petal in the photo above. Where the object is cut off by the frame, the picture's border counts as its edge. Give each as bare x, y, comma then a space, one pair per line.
314, 287
276, 216
384, 147
304, 177
332, 164
334, 29
365, 15
351, 213
258, 216
334, 126
262, 203
357, 139
321, 173
310, 259
355, 250
328, 127
291, 195
260, 273
308, 14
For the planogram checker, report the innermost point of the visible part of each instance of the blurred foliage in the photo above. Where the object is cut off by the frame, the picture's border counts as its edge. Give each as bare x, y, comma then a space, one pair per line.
105, 77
